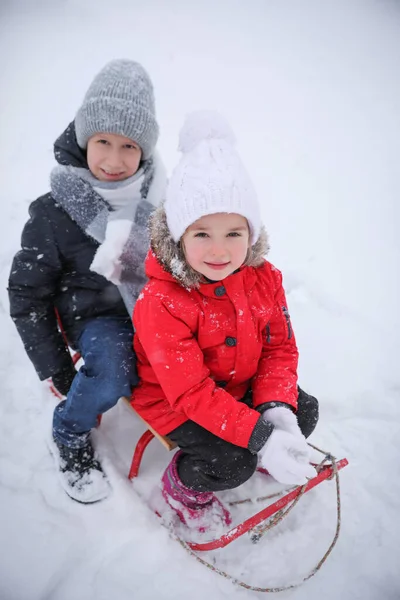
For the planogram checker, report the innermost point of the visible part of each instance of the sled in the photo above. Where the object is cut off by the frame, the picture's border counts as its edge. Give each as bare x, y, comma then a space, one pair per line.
325, 472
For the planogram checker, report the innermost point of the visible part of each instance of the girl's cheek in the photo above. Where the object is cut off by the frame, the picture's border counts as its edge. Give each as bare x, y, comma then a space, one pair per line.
195, 255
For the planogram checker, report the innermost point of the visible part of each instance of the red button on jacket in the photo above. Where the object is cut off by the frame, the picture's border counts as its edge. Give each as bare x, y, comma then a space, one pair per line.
181, 350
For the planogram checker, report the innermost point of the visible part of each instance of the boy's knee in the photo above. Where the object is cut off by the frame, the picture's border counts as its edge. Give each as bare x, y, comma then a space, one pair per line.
111, 372
111, 391
108, 398
105, 387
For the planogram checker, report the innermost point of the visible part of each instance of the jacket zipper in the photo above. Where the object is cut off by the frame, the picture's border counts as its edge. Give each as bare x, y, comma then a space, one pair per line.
288, 323
268, 332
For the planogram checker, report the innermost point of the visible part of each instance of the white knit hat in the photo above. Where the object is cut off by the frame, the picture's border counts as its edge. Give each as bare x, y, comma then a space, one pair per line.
210, 177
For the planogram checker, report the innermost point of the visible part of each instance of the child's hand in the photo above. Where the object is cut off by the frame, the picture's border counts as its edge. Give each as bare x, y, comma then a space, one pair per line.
283, 418
62, 380
286, 457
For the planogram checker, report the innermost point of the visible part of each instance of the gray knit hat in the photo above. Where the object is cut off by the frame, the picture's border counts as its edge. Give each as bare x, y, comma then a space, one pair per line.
119, 100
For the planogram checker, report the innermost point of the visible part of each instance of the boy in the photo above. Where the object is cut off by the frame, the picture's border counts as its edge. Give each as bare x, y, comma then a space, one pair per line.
82, 255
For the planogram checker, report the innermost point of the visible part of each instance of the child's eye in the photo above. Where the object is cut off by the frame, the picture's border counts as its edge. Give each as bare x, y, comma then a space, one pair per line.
201, 234
234, 234
131, 147
104, 142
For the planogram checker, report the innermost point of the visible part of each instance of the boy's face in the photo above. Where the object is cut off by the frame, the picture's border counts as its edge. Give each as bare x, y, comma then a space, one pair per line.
217, 245
113, 157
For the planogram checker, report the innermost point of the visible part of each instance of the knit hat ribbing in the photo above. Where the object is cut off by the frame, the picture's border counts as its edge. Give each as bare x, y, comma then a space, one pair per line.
210, 177
119, 100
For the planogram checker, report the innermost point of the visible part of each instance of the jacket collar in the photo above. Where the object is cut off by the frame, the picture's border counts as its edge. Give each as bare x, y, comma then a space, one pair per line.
66, 149
242, 278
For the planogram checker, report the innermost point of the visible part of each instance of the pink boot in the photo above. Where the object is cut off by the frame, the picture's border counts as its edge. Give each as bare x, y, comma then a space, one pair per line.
195, 509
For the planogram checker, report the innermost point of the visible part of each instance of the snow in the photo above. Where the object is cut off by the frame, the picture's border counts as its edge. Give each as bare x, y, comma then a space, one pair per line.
311, 90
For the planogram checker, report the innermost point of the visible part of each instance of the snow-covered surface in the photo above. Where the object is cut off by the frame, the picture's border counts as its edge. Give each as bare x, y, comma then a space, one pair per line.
312, 92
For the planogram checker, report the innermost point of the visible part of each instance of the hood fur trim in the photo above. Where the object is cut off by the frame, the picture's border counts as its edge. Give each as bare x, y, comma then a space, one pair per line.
172, 258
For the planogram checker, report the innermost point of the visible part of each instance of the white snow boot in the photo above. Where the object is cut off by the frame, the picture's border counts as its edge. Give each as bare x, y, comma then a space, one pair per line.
80, 473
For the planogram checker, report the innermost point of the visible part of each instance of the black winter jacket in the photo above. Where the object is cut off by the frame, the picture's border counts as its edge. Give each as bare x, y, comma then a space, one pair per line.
51, 271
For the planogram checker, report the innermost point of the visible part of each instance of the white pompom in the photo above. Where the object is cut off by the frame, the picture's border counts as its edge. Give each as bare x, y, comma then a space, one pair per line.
204, 125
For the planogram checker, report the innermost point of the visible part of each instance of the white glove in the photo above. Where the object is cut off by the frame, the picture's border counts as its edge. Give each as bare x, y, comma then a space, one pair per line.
286, 457
107, 261
283, 418
286, 454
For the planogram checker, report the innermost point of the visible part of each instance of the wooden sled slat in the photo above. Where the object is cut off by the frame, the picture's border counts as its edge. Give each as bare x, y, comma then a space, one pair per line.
163, 439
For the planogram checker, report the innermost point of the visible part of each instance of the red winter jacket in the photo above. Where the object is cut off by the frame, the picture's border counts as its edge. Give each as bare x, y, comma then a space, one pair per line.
200, 350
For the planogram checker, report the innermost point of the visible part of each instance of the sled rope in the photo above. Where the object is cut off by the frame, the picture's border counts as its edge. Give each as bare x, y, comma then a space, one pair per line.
260, 530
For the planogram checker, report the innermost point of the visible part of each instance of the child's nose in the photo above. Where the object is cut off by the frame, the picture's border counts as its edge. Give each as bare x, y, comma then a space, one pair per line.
218, 249
114, 158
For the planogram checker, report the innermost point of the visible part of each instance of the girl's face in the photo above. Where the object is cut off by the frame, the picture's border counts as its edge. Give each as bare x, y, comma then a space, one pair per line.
217, 245
112, 157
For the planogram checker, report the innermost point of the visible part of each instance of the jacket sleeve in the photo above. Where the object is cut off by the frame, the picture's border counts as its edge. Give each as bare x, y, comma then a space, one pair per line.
178, 364
276, 378
32, 287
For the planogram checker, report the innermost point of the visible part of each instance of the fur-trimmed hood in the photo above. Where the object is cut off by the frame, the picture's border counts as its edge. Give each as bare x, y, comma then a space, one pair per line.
172, 258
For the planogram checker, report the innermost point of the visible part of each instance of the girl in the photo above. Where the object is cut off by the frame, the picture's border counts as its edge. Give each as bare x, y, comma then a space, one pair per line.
217, 357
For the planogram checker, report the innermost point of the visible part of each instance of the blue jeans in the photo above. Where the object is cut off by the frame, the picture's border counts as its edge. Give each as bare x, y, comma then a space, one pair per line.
109, 372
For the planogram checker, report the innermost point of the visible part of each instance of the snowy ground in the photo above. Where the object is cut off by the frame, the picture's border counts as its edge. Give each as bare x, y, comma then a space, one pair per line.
312, 89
